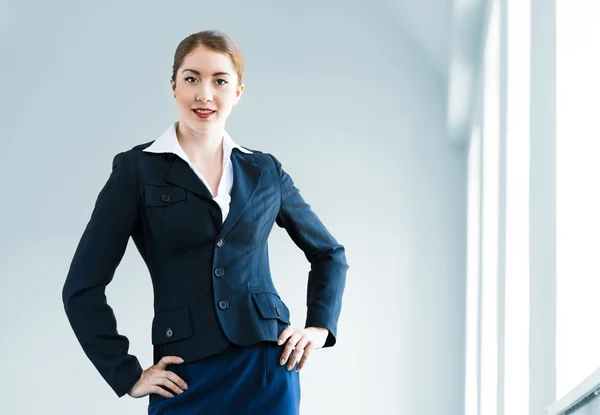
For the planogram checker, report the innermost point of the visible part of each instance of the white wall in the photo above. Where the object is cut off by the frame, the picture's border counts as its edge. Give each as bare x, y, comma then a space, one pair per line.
348, 106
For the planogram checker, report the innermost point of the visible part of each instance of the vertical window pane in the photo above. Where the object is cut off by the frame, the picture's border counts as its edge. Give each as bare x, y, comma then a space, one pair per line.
516, 330
491, 147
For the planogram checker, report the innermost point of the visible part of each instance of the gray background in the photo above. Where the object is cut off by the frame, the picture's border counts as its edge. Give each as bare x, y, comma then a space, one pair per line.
336, 90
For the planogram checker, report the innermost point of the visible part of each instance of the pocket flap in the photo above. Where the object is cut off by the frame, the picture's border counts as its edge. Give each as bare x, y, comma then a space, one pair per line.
171, 325
162, 195
271, 306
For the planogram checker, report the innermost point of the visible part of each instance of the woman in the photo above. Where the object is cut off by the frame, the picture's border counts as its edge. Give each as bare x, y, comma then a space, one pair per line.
199, 208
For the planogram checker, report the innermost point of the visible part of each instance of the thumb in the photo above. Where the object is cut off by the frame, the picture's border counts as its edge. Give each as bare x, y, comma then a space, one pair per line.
167, 360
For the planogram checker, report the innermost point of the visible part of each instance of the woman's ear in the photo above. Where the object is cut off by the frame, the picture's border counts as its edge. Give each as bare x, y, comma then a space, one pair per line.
238, 94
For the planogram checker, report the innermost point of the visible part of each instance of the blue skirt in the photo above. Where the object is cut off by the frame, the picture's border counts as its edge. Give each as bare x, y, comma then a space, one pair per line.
241, 380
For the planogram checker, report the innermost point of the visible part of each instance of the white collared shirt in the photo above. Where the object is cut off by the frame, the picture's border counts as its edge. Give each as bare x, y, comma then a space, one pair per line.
168, 143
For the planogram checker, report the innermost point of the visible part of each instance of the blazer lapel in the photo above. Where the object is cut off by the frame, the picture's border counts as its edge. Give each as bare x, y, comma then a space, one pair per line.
246, 176
180, 174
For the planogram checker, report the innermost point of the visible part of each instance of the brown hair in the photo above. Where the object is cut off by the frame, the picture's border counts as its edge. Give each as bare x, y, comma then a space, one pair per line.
214, 40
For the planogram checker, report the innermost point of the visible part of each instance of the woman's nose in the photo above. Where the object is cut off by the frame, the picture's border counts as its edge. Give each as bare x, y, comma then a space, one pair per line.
204, 93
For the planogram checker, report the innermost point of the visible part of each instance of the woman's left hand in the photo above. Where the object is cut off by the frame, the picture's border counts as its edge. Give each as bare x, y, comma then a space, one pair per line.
303, 342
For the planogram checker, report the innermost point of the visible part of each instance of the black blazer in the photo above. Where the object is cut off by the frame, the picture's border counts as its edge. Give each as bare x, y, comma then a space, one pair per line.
212, 283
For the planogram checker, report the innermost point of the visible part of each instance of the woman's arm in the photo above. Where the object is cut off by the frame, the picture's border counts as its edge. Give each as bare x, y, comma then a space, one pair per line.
327, 277
96, 258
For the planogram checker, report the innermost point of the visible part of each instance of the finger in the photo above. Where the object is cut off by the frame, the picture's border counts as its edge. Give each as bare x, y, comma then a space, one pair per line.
307, 352
160, 391
175, 379
166, 360
285, 333
298, 352
168, 383
287, 350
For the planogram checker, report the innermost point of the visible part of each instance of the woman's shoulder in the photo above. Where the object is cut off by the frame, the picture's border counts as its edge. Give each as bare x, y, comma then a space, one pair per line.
261, 156
136, 150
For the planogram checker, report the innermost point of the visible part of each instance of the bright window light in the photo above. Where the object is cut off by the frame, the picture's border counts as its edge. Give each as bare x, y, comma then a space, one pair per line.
516, 319
491, 154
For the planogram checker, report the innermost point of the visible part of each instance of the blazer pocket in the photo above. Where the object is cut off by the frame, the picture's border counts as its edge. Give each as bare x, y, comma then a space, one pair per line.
271, 306
171, 325
163, 195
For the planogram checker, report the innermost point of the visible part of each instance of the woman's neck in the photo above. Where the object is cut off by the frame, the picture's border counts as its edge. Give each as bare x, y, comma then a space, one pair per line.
205, 147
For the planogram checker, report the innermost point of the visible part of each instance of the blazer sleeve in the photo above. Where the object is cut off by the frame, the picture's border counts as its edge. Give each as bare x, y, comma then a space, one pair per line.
96, 258
328, 266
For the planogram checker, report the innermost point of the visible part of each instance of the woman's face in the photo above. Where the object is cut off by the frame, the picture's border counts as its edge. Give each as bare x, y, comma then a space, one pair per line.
206, 79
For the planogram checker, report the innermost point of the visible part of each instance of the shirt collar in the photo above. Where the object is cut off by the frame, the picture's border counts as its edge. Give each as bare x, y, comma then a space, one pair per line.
168, 143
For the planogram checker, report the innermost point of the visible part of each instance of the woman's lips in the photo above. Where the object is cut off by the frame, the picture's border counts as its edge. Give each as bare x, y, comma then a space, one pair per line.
203, 116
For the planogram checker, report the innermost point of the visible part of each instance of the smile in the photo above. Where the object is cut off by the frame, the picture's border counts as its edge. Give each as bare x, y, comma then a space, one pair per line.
203, 114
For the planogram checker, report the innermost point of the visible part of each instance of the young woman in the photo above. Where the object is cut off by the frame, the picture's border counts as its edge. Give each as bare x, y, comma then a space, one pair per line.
199, 208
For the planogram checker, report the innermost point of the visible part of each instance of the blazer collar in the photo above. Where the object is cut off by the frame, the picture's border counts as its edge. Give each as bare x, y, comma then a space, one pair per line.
168, 143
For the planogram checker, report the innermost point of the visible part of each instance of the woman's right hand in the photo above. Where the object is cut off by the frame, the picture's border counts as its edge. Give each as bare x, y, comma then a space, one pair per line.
157, 375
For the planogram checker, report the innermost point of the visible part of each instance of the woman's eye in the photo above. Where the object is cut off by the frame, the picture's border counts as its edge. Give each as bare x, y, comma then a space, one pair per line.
219, 81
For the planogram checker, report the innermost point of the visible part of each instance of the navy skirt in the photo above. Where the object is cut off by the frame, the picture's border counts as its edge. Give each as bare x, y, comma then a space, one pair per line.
241, 380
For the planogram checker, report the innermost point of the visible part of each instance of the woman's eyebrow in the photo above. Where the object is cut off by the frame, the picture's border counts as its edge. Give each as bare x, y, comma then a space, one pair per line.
198, 73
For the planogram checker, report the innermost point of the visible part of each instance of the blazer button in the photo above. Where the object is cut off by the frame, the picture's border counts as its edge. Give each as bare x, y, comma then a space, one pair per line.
165, 198
220, 243
223, 304
169, 333
277, 311
219, 272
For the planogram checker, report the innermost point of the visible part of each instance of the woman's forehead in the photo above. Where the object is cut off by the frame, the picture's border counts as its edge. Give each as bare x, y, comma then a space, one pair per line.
202, 59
